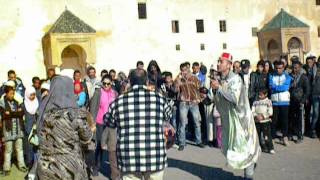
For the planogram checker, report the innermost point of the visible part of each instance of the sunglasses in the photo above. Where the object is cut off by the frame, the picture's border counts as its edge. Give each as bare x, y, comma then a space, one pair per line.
106, 83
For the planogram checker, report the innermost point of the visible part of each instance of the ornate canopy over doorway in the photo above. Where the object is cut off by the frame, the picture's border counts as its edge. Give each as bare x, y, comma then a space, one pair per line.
284, 35
69, 44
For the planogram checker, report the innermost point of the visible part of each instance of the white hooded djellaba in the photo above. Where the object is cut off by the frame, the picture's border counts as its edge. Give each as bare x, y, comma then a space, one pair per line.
240, 143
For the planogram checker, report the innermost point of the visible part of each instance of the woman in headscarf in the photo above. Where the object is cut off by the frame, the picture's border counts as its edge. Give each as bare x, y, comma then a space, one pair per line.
31, 105
62, 129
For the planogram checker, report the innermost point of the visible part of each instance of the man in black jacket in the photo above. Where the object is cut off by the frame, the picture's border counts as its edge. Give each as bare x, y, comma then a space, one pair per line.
311, 69
258, 81
299, 92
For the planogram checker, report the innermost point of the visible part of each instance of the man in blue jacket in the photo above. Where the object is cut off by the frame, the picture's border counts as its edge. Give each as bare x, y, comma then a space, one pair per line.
279, 83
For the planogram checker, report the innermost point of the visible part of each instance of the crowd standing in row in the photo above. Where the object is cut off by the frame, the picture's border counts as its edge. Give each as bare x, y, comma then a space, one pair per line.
126, 116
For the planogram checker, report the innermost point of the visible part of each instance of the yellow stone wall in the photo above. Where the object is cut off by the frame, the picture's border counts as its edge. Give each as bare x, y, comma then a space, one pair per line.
122, 38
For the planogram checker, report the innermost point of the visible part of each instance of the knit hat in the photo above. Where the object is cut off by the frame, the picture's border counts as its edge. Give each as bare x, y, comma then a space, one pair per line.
226, 56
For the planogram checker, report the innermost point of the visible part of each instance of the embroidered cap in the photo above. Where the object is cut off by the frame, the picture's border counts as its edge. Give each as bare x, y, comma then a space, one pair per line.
226, 56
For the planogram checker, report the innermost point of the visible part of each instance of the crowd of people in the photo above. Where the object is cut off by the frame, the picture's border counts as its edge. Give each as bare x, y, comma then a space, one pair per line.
59, 127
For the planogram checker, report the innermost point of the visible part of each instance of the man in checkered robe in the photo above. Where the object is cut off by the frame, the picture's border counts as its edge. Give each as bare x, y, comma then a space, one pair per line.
139, 115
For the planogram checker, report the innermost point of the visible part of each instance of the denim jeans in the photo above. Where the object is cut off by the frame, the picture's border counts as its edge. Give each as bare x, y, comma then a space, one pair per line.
184, 108
315, 110
174, 117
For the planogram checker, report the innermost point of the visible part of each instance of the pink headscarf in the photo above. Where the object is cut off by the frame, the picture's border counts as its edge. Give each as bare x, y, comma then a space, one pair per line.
31, 106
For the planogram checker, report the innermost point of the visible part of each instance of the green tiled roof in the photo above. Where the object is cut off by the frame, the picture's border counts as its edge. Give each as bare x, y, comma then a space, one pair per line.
283, 20
69, 23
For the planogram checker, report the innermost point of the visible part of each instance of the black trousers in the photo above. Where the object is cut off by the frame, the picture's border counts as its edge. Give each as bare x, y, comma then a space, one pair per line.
99, 151
265, 138
308, 117
280, 120
296, 119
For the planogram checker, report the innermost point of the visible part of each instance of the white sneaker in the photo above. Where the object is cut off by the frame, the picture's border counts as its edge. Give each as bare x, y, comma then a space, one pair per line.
272, 151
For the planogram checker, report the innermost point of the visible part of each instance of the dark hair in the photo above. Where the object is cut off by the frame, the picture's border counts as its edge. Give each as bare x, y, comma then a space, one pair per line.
8, 89
166, 74
187, 63
42, 90
153, 63
264, 91
294, 58
270, 65
112, 71
285, 57
76, 72
260, 63
311, 58
51, 69
107, 76
234, 62
11, 72
182, 65
34, 79
90, 68
195, 64
278, 63
104, 71
139, 63
138, 77
296, 62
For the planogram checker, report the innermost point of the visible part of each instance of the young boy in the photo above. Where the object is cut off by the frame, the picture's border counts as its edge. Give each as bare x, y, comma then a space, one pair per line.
262, 112
170, 92
12, 114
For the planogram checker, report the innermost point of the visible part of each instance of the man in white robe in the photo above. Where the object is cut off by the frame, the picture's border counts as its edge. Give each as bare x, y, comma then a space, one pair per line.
240, 142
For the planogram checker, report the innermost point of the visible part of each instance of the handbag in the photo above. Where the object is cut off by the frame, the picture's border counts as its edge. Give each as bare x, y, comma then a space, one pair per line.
33, 137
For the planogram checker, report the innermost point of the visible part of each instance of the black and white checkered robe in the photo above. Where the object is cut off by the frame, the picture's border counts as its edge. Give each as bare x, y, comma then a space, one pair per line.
138, 116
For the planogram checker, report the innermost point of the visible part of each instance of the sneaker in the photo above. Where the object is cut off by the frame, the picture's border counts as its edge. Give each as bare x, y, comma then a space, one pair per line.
201, 145
210, 144
285, 141
181, 148
298, 141
175, 146
313, 135
272, 151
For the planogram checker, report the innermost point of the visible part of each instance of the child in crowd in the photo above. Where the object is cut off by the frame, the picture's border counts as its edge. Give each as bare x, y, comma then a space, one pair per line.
169, 91
12, 118
31, 105
262, 112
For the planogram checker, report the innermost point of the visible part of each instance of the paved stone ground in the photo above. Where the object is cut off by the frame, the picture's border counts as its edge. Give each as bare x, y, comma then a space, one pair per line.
296, 162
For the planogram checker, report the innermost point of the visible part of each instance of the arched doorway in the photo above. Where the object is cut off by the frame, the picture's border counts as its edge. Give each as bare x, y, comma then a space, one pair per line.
73, 57
273, 50
295, 48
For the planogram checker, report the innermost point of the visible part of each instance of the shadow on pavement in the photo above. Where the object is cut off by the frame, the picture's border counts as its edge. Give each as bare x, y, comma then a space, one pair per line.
203, 172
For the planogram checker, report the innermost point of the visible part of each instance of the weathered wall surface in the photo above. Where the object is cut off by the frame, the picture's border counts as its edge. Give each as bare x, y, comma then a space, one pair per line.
122, 38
